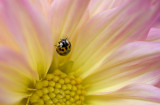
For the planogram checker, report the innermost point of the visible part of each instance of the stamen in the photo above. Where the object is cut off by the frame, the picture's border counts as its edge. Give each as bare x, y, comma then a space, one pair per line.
58, 88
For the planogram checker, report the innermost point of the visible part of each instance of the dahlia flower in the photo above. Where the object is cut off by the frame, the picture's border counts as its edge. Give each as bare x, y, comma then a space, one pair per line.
114, 59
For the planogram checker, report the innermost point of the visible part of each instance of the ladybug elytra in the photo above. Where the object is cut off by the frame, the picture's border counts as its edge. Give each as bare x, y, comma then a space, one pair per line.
64, 47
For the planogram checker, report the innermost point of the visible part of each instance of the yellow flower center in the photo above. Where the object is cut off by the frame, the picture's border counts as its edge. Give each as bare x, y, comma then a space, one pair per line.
58, 89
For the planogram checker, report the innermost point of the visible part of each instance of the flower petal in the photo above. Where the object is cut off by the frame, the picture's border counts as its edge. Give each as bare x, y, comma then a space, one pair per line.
136, 62
67, 16
154, 35
136, 94
111, 29
157, 84
15, 76
43, 6
157, 23
25, 23
97, 6
6, 38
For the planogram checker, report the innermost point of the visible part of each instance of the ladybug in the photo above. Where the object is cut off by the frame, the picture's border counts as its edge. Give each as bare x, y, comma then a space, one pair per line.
64, 47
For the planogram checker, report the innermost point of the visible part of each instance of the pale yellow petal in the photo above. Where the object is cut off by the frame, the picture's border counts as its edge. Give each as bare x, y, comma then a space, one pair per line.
97, 6
27, 26
104, 33
66, 17
136, 62
16, 76
136, 94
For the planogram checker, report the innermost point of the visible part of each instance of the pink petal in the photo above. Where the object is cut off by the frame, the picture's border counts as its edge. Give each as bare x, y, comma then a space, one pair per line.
136, 62
158, 84
157, 23
111, 29
67, 16
97, 6
7, 39
15, 76
25, 23
136, 94
43, 6
154, 35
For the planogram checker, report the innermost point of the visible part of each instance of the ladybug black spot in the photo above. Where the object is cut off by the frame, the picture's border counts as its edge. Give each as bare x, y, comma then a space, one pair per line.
60, 49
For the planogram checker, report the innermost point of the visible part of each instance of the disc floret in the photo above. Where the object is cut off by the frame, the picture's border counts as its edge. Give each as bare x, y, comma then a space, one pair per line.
58, 88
